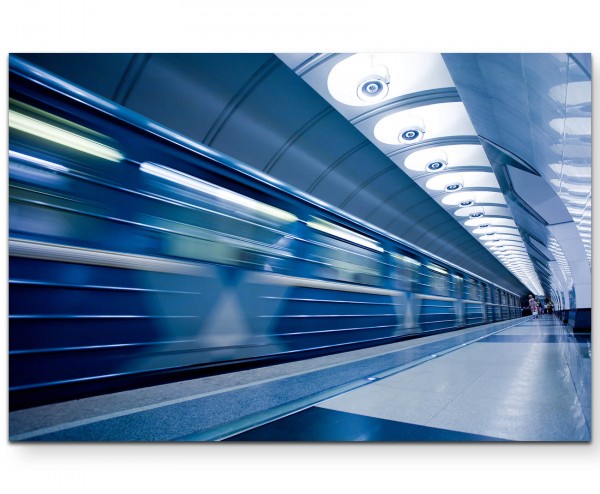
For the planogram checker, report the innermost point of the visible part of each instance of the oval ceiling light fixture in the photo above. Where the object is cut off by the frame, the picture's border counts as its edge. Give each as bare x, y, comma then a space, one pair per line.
477, 213
512, 248
448, 156
428, 160
413, 131
375, 86
573, 93
517, 257
508, 230
438, 120
503, 237
504, 222
453, 187
405, 70
467, 199
436, 166
447, 182
488, 210
511, 242
454, 184
411, 134
489, 198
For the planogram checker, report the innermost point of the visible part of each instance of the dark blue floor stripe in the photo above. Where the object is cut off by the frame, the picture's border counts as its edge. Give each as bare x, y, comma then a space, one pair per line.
323, 425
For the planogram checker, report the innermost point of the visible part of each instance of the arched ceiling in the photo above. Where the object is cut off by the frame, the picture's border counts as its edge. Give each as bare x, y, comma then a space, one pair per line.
284, 115
538, 138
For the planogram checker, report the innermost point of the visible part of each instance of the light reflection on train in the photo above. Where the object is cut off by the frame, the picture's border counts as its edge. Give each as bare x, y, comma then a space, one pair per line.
134, 255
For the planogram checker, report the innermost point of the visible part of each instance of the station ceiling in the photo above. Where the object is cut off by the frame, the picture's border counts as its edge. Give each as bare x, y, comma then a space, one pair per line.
483, 160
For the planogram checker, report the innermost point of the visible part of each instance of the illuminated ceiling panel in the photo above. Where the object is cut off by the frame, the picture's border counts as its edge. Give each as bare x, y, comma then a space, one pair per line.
426, 122
365, 78
410, 103
458, 155
478, 196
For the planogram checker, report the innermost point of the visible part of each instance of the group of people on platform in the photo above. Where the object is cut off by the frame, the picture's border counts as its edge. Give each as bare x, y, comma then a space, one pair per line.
538, 309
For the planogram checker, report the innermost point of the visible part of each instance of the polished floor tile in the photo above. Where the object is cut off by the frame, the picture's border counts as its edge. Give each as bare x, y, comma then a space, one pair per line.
527, 383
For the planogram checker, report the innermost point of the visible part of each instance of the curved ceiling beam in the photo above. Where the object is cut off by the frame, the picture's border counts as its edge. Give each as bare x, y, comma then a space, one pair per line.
294, 137
350, 152
239, 97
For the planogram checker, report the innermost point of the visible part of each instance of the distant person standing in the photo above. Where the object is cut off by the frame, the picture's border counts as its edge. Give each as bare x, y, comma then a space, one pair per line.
533, 306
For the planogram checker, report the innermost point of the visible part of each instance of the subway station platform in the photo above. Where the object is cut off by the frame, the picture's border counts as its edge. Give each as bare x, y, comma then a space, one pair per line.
519, 380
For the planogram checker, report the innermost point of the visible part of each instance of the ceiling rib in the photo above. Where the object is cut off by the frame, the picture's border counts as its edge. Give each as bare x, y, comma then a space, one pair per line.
336, 163
238, 98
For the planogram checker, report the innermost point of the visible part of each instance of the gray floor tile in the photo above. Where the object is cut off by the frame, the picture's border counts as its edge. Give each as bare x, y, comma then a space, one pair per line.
513, 421
412, 406
513, 389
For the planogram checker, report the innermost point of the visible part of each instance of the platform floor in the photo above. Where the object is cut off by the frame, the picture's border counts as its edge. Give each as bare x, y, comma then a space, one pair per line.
516, 385
522, 380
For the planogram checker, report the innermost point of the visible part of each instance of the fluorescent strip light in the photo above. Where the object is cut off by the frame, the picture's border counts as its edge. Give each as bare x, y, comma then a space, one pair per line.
215, 191
49, 132
344, 234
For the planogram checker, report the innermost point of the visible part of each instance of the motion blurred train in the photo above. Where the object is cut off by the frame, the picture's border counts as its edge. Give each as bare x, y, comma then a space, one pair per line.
136, 253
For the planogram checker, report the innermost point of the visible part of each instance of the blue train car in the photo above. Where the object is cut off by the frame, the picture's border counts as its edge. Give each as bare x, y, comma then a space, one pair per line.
135, 254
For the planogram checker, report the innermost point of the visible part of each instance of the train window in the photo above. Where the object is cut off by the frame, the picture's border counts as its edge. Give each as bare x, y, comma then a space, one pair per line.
436, 268
405, 271
216, 224
344, 255
226, 195
436, 279
473, 289
458, 285
343, 233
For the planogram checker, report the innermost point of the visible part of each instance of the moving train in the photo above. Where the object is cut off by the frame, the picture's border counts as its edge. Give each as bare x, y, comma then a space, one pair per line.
137, 254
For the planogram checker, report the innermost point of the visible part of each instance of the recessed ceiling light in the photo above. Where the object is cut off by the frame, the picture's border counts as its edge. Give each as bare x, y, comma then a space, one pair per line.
437, 120
405, 71
488, 198
411, 134
453, 187
436, 166
375, 86
449, 182
484, 229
